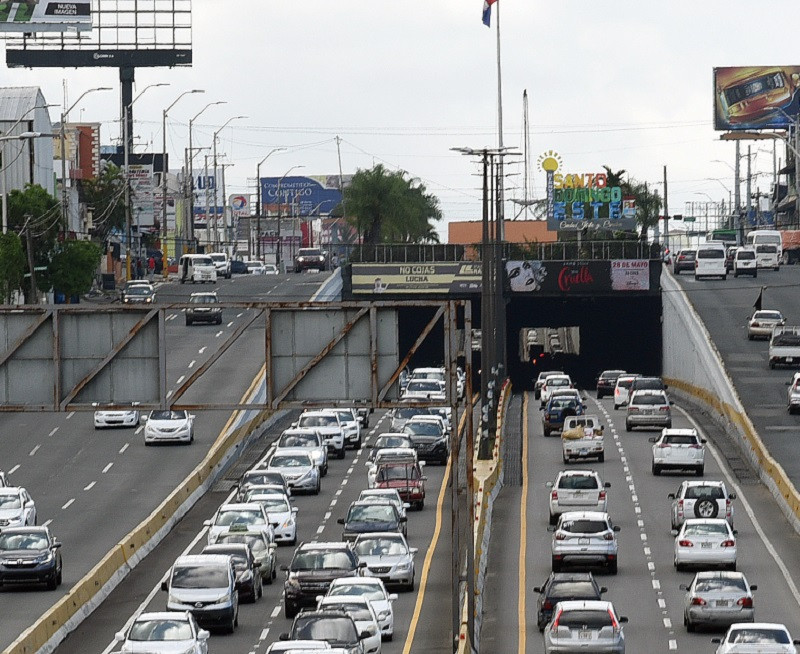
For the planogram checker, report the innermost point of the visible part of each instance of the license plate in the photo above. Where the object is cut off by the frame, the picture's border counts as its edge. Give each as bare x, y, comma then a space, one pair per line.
706, 546
579, 494
584, 452
583, 541
584, 635
721, 603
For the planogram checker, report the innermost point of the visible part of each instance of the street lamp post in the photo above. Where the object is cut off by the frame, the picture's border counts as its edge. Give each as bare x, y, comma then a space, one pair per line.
258, 201
278, 194
64, 114
164, 181
190, 171
214, 144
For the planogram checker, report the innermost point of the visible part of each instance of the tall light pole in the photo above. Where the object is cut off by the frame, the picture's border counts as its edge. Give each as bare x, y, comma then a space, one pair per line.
278, 195
190, 171
258, 200
126, 138
214, 144
164, 181
64, 114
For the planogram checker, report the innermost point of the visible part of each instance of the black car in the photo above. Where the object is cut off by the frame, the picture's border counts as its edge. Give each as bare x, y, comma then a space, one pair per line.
310, 258
248, 575
607, 381
333, 626
684, 260
371, 517
562, 587
647, 384
29, 555
314, 566
429, 441
239, 267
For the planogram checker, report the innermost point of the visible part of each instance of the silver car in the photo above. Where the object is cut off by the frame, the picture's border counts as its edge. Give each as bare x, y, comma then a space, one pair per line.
717, 598
298, 469
756, 637
585, 539
577, 490
793, 396
648, 408
705, 544
762, 322
168, 631
388, 557
308, 439
591, 626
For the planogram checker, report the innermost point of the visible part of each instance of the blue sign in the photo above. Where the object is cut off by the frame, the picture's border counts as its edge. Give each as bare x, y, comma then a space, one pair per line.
310, 196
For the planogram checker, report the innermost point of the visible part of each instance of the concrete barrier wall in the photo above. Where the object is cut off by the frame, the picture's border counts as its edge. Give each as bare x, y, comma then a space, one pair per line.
694, 368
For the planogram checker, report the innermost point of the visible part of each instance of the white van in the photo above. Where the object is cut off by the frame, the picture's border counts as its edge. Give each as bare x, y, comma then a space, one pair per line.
766, 237
710, 261
197, 268
767, 256
222, 263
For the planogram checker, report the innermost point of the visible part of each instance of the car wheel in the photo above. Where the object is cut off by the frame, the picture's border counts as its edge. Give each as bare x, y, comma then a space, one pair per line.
325, 470
410, 586
566, 458
616, 406
749, 337
231, 626
772, 365
612, 566
732, 567
58, 577
736, 274
679, 567
556, 565
270, 576
319, 486
289, 611
219, 320
553, 519
340, 453
188, 322
706, 509
52, 584
627, 426
388, 637
690, 627
601, 457
699, 471
755, 275
546, 431
656, 470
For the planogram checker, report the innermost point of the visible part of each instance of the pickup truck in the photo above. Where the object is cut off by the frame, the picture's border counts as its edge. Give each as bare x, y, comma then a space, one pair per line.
582, 438
784, 346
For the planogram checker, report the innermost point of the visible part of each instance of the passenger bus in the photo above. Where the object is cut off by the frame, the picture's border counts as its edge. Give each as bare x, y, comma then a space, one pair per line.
766, 237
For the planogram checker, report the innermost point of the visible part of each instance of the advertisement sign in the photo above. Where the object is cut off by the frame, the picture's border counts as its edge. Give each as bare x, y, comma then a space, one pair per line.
558, 277
45, 16
240, 205
630, 275
416, 278
756, 97
142, 193
307, 196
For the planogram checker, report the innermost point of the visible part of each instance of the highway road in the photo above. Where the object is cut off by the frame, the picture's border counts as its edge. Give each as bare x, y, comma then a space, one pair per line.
92, 487
646, 589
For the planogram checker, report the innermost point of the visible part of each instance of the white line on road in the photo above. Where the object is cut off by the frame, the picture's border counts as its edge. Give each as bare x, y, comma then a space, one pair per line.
124, 447
218, 334
265, 632
239, 315
138, 430
320, 529
327, 516
180, 379
68, 504
191, 363
108, 467
230, 324
55, 429
13, 470
668, 623
47, 524
34, 450
673, 644
275, 612
662, 603
656, 584
169, 393
202, 349
338, 492
70, 414
90, 486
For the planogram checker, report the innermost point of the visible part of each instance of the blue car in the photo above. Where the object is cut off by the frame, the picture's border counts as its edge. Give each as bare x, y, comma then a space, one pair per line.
558, 408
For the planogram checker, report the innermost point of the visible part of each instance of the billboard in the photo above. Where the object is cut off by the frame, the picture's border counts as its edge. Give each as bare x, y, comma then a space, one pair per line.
309, 196
756, 97
143, 191
416, 278
45, 16
578, 277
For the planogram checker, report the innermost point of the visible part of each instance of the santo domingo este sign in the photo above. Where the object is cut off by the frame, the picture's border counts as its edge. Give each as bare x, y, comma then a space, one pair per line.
584, 200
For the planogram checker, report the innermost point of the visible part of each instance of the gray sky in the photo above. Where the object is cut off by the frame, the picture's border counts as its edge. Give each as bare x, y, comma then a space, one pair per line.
624, 83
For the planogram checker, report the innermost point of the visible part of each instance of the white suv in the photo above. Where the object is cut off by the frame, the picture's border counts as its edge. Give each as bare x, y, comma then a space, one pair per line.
701, 499
577, 490
622, 390
678, 449
328, 424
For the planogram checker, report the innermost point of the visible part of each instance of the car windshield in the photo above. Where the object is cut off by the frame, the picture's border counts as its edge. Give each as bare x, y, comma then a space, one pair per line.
721, 584
346, 416
767, 249
786, 338
298, 440
371, 513
322, 560
217, 257
144, 630
225, 518
578, 482
254, 541
423, 429
394, 473
679, 440
428, 374
689, 254
262, 478
759, 635
369, 591
333, 629
270, 504
424, 386
10, 502
168, 415
252, 265
392, 441
309, 252
584, 526
380, 547
139, 290
290, 461
610, 375
203, 261
22, 541
706, 529
409, 412
767, 315
200, 576
704, 492
649, 400
203, 299
573, 589
318, 421
356, 610
585, 619
557, 381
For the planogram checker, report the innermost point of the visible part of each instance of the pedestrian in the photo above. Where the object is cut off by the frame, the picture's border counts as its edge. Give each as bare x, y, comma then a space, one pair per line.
139, 268
151, 267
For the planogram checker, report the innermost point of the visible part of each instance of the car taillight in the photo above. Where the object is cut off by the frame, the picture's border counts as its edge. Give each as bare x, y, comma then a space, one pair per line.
554, 495
685, 543
558, 617
728, 508
614, 622
602, 495
664, 445
664, 408
698, 601
755, 324
728, 543
746, 602
560, 536
609, 536
696, 447
680, 507
632, 409
547, 605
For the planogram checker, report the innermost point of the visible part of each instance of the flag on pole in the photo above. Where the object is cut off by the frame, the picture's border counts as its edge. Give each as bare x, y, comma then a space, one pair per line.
487, 12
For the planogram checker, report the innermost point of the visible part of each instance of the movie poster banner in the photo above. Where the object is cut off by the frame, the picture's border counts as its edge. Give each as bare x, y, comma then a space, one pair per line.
45, 16
555, 277
416, 278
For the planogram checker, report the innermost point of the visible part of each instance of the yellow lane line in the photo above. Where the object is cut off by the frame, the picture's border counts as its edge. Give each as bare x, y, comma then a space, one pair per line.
423, 583
523, 533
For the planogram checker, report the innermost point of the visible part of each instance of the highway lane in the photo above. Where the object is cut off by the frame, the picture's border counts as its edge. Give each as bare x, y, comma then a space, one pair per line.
646, 589
263, 622
95, 486
724, 307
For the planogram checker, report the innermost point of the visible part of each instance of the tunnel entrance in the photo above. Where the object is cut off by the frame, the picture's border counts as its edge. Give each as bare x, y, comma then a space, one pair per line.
582, 336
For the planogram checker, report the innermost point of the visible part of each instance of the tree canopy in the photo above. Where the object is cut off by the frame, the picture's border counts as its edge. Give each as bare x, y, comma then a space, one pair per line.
104, 194
12, 265
386, 207
73, 267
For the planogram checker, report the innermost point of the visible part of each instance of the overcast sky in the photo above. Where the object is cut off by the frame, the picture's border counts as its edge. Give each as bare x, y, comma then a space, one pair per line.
624, 83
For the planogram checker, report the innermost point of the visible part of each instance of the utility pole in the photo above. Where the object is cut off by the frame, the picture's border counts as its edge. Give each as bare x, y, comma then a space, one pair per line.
208, 220
749, 185
666, 212
31, 267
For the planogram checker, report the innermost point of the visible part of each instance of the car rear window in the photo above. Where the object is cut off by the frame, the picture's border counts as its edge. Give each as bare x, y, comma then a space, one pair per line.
706, 529
747, 255
584, 526
573, 589
578, 482
767, 249
720, 584
650, 400
679, 440
585, 619
711, 253
704, 492
753, 635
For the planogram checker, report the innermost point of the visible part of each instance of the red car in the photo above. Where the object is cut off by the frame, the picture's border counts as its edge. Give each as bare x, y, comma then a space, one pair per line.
406, 478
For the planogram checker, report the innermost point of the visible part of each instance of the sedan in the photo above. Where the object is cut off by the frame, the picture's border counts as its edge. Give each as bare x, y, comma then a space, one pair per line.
428, 438
17, 507
169, 426
255, 268
363, 614
116, 418
261, 544
282, 516
563, 587
371, 517
171, 631
261, 477
648, 409
299, 470
678, 449
762, 322
29, 555
793, 396
585, 538
388, 557
251, 515
585, 626
248, 577
309, 439
370, 588
705, 543
607, 381
389, 440
756, 637
684, 260
717, 599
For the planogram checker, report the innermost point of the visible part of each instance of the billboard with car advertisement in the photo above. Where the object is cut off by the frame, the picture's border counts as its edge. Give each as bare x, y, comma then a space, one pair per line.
45, 16
756, 97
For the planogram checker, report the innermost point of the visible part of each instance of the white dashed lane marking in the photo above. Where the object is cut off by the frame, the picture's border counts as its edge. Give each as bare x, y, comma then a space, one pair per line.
180, 379
47, 524
191, 363
239, 315
13, 470
230, 324
124, 447
275, 612
34, 450
90, 486
70, 414
218, 334
202, 349
55, 429
68, 504
108, 467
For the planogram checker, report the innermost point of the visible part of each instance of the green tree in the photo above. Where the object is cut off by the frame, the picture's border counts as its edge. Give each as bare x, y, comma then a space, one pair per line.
12, 265
385, 207
73, 267
104, 194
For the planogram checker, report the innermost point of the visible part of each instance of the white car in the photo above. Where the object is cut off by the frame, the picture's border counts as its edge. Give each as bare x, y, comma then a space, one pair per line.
793, 395
116, 418
169, 426
585, 538
705, 544
537, 387
577, 490
363, 614
17, 508
167, 632
299, 647
744, 638
701, 499
250, 514
762, 322
388, 557
282, 516
329, 425
623, 389
3, 479
553, 383
351, 426
678, 449
270, 269
425, 389
309, 439
298, 469
385, 495
255, 267
370, 588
